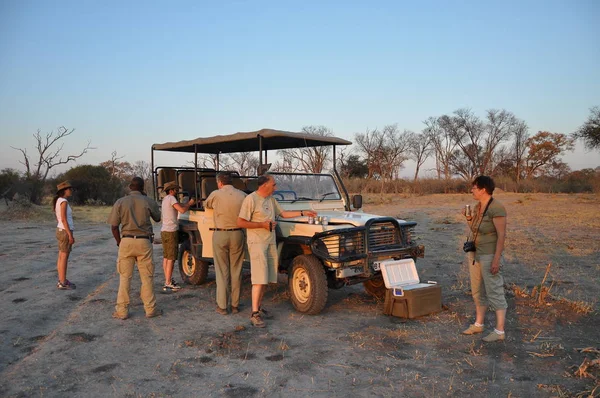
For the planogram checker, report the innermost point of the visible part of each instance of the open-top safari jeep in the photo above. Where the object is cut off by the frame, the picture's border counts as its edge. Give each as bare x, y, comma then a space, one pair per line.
348, 250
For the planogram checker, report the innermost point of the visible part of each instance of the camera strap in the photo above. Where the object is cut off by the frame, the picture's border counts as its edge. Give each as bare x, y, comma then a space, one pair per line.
480, 220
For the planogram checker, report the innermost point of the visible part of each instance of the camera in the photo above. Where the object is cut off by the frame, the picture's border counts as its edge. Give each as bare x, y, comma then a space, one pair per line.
469, 246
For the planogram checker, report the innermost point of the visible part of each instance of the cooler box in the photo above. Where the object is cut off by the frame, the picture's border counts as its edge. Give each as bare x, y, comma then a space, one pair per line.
406, 297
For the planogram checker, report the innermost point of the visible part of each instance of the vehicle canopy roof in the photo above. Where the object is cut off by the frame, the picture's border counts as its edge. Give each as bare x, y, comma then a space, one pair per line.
250, 141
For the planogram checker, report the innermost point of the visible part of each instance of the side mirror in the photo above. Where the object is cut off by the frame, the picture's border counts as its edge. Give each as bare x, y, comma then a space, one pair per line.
357, 201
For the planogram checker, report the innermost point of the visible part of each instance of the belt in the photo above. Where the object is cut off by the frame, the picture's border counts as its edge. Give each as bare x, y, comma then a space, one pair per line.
136, 236
225, 229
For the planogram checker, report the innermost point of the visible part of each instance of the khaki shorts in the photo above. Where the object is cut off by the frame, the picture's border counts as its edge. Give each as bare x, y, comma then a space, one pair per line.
170, 242
487, 289
63, 241
263, 263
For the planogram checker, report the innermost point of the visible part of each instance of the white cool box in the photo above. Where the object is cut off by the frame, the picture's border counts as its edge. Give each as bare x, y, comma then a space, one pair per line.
406, 297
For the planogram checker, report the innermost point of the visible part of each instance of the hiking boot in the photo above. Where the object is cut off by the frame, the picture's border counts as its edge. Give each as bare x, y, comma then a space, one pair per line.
494, 337
472, 329
235, 310
257, 321
116, 315
154, 314
66, 285
169, 288
221, 311
264, 313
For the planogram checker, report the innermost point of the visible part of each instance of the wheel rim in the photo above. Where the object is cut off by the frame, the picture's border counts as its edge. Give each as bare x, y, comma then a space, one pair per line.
301, 285
188, 263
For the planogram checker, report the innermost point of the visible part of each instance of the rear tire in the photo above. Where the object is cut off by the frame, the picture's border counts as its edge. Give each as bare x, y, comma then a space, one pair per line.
307, 284
375, 287
193, 270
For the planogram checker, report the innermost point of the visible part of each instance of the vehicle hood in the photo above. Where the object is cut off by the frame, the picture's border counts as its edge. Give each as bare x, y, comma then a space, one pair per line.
348, 218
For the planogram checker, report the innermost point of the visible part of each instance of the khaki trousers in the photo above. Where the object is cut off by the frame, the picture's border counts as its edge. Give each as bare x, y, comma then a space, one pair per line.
133, 251
228, 252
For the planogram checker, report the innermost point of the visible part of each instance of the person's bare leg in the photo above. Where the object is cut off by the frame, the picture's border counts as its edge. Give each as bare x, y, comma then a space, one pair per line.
258, 292
61, 266
480, 311
168, 270
500, 319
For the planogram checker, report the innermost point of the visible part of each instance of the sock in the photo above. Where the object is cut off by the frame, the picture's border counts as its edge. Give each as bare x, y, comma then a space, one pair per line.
498, 332
478, 324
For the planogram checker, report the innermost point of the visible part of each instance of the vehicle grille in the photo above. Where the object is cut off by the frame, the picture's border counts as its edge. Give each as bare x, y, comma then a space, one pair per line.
383, 236
343, 246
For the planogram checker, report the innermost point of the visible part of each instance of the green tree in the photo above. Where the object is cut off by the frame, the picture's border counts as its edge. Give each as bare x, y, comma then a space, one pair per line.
93, 183
589, 132
9, 179
354, 167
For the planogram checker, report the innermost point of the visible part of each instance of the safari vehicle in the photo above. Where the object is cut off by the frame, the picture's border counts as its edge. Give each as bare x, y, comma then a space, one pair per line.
348, 250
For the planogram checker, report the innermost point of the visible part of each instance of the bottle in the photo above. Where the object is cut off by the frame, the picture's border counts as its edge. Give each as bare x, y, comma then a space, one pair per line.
468, 210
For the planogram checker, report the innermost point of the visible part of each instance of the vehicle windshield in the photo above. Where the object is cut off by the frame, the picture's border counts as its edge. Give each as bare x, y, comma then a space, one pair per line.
305, 187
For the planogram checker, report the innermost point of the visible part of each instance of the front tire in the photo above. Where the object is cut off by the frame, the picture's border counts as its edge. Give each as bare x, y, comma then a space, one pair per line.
193, 271
307, 285
375, 287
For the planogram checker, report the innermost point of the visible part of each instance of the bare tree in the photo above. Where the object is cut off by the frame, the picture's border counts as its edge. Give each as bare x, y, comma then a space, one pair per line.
370, 144
385, 151
501, 125
245, 163
310, 159
49, 148
212, 161
393, 154
141, 168
420, 147
442, 143
519, 147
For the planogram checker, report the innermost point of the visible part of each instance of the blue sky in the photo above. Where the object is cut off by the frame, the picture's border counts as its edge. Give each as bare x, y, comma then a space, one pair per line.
126, 75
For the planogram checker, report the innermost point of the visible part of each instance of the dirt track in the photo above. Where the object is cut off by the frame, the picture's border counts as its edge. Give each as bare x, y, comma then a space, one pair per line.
65, 343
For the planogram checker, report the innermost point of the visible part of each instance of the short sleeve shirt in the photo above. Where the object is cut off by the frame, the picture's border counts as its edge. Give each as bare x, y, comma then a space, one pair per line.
487, 236
226, 203
255, 208
169, 214
133, 212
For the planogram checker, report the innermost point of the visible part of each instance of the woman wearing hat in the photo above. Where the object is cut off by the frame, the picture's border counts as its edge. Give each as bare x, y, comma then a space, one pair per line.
64, 232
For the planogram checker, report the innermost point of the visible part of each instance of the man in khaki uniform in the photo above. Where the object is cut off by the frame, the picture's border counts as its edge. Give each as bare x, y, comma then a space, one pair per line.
133, 212
258, 213
228, 241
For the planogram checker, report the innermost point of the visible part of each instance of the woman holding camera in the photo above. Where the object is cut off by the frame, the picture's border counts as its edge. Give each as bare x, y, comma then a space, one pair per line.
488, 227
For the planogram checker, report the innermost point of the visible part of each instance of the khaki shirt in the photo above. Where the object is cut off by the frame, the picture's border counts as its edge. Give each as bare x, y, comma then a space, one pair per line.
226, 203
255, 208
133, 212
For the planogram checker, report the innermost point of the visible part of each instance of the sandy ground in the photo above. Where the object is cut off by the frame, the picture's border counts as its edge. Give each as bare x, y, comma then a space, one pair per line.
65, 343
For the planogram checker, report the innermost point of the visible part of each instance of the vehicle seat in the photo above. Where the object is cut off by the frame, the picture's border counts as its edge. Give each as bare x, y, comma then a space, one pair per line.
187, 181
164, 175
238, 183
209, 184
251, 185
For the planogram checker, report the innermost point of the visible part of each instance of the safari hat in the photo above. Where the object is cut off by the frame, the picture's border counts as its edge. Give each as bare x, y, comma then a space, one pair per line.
170, 185
63, 185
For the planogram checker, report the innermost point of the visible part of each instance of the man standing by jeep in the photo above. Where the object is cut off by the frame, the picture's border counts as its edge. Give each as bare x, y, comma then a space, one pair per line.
228, 241
258, 213
133, 213
169, 232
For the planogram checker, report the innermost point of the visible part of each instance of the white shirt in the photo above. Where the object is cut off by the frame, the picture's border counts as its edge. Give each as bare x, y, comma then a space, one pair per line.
169, 214
61, 224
